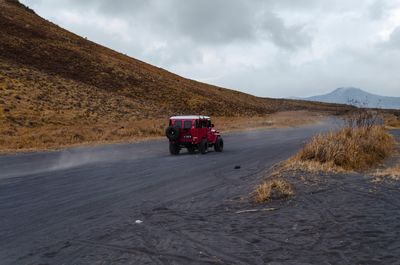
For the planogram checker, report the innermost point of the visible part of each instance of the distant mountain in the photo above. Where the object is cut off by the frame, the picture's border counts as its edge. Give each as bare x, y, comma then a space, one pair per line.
356, 96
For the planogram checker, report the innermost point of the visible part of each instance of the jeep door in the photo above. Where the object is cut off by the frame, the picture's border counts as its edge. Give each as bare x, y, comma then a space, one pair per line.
211, 137
203, 129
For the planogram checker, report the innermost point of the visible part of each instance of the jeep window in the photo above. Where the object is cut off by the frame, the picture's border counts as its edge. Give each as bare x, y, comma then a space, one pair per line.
204, 124
209, 124
178, 124
187, 124
197, 124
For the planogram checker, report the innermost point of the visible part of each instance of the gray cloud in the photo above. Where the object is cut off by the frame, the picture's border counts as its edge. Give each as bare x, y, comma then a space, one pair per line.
118, 7
215, 21
394, 40
377, 9
264, 47
290, 38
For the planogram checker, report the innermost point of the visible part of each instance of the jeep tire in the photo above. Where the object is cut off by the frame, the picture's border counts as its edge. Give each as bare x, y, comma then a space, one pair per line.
219, 144
172, 133
174, 149
203, 146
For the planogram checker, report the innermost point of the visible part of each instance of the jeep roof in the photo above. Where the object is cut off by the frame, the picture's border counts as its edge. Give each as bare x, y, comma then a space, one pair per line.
189, 117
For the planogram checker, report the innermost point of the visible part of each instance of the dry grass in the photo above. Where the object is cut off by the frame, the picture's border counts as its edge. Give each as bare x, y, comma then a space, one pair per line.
360, 145
295, 164
63, 130
347, 149
54, 137
273, 189
392, 121
274, 120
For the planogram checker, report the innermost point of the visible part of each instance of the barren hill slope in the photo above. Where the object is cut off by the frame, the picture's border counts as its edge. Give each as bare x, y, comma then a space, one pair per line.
55, 84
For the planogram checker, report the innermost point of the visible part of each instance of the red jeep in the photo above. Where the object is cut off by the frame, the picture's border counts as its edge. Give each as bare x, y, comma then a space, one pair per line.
194, 133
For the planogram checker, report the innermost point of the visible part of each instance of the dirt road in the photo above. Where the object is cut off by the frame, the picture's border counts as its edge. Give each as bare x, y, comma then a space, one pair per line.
136, 204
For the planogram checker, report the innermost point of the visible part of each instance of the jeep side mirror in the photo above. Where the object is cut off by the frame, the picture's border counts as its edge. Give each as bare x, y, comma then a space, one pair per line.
212, 125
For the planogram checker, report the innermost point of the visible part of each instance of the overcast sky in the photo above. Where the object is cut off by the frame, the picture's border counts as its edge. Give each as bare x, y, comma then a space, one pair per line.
278, 48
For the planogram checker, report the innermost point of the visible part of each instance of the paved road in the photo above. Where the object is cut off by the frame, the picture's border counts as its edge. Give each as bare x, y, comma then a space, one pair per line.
81, 206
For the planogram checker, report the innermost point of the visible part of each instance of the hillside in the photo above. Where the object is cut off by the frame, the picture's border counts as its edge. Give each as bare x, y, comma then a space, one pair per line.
351, 95
56, 86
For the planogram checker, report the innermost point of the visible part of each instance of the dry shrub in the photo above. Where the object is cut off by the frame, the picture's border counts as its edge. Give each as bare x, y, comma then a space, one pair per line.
273, 189
351, 148
362, 117
392, 121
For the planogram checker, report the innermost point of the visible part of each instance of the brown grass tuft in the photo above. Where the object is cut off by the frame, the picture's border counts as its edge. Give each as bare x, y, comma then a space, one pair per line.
351, 148
295, 164
273, 189
392, 121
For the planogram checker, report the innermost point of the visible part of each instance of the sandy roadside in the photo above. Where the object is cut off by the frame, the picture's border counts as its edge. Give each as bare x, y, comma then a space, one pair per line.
53, 139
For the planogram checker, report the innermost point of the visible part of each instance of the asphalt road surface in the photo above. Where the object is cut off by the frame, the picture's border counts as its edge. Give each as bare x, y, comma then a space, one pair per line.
136, 204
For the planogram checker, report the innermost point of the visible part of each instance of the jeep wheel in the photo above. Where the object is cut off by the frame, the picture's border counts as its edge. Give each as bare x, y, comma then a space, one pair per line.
172, 133
219, 144
191, 149
174, 149
203, 146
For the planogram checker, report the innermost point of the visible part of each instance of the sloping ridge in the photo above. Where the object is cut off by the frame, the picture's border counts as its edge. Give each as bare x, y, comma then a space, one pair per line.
28, 40
357, 96
59, 88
